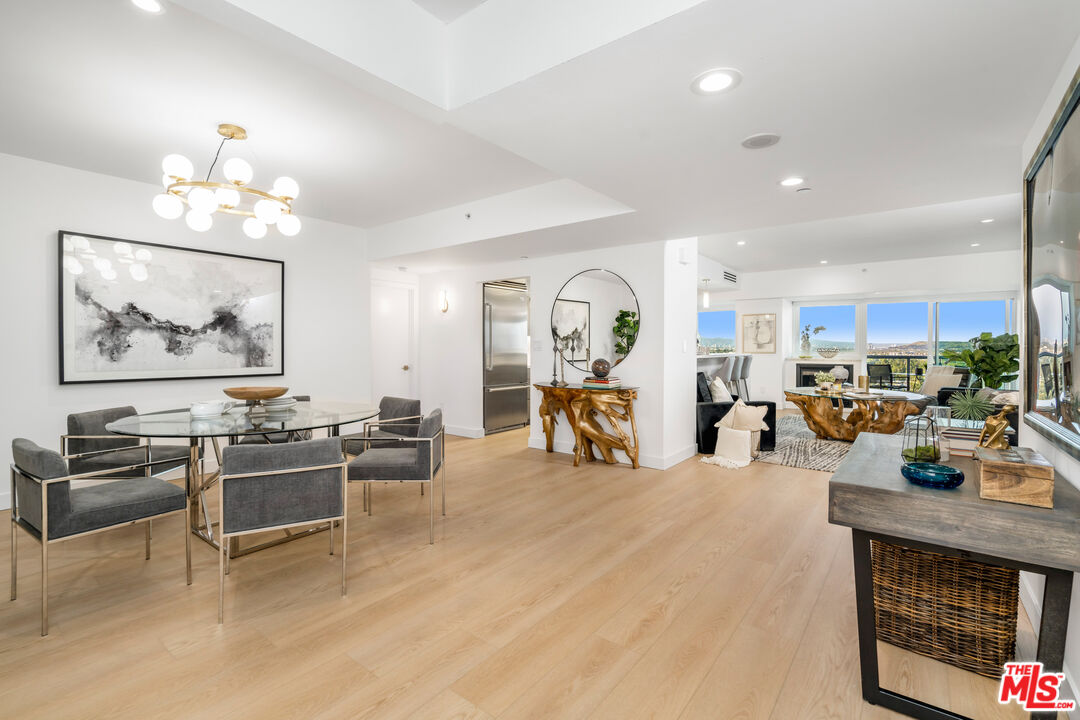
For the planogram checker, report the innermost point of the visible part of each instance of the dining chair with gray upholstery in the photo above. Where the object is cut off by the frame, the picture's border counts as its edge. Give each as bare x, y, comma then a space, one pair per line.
91, 447
49, 509
398, 418
277, 487
416, 459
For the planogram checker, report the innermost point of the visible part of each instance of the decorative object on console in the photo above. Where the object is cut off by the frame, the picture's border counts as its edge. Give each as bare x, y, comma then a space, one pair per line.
971, 405
759, 333
601, 368
140, 311
804, 346
555, 359
994, 428
932, 475
205, 197
994, 360
840, 373
582, 406
1017, 475
828, 352
920, 440
605, 382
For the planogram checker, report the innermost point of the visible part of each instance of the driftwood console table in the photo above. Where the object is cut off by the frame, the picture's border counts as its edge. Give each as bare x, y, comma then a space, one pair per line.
868, 494
582, 407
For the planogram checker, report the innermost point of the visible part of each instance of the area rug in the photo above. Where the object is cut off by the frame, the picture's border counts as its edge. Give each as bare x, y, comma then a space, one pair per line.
798, 446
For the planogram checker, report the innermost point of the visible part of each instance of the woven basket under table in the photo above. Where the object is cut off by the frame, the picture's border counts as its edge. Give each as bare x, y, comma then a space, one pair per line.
950, 609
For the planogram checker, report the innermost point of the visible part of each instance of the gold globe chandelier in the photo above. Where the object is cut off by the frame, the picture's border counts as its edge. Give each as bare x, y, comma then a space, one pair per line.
205, 197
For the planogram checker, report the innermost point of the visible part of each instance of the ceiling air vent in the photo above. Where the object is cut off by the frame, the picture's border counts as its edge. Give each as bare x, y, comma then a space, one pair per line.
731, 278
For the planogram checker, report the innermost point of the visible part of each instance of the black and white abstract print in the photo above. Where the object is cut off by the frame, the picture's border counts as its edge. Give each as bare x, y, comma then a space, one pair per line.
135, 311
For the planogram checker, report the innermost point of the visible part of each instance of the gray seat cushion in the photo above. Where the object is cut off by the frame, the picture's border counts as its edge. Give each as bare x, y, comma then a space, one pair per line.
408, 461
133, 456
116, 502
263, 501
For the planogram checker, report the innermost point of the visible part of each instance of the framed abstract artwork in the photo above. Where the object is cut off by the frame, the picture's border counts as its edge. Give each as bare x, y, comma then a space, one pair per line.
759, 333
141, 311
571, 329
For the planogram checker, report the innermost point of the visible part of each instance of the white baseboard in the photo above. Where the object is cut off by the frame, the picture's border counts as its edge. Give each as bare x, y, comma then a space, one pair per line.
1034, 612
462, 431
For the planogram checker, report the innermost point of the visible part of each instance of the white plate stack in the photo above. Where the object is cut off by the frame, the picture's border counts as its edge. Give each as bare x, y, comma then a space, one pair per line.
279, 403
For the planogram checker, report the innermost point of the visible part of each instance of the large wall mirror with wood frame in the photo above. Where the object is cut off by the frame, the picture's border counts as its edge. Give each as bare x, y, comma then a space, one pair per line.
1052, 279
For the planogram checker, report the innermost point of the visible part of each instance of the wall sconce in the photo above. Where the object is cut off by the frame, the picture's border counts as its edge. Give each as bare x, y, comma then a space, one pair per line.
444, 302
705, 294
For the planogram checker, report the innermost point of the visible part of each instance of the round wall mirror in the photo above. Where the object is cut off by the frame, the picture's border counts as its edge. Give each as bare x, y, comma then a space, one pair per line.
595, 317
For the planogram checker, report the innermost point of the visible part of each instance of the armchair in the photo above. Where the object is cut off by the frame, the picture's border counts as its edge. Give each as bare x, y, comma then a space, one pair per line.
398, 418
709, 413
46, 507
92, 448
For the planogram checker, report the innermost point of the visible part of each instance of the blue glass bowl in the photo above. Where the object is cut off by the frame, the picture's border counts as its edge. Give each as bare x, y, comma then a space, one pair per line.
932, 475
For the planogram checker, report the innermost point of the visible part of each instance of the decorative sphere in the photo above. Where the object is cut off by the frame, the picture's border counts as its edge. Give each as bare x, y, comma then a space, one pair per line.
268, 211
601, 367
237, 170
254, 228
197, 221
177, 166
288, 225
227, 197
168, 206
202, 200
286, 187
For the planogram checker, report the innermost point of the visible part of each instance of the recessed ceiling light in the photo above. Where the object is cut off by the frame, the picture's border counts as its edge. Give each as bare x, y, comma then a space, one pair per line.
987, 220
760, 140
741, 242
792, 181
150, 6
716, 80
824, 262
974, 244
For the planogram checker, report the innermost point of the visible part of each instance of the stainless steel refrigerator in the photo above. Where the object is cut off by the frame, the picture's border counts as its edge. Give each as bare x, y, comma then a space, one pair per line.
506, 356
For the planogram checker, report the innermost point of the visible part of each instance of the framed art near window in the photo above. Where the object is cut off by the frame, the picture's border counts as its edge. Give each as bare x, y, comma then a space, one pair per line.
759, 333
141, 311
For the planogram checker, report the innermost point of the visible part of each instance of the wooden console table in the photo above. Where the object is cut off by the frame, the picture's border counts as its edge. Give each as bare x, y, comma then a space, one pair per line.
868, 494
582, 407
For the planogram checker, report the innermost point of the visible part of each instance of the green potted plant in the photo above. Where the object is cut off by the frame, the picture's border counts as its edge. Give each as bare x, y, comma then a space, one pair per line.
993, 360
626, 329
824, 380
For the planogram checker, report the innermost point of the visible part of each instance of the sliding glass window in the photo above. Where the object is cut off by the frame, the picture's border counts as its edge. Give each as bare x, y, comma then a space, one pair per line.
958, 322
897, 335
716, 331
837, 321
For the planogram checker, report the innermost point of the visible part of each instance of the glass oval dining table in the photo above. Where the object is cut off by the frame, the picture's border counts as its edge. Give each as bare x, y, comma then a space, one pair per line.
294, 423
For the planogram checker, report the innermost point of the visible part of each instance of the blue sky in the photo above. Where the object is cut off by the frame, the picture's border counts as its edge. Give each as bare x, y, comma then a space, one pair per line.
718, 324
907, 322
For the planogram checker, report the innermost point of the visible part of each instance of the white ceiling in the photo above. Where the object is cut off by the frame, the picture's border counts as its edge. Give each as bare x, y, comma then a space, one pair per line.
928, 231
883, 106
449, 10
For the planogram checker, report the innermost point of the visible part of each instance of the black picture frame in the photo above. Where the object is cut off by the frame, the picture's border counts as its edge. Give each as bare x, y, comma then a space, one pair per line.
1057, 433
61, 300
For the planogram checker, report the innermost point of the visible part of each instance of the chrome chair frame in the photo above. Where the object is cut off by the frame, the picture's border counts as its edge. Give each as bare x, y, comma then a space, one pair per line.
431, 473
223, 559
43, 536
367, 433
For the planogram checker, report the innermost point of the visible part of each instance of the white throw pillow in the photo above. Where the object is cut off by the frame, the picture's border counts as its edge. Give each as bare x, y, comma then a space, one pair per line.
746, 417
719, 391
732, 448
942, 377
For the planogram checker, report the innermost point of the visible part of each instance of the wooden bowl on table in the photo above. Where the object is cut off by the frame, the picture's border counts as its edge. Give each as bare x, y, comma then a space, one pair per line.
255, 395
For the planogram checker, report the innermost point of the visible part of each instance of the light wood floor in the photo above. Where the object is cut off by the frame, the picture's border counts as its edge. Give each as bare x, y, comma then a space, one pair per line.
550, 592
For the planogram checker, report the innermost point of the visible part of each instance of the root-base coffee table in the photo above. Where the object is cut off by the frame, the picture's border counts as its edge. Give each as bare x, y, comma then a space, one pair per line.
884, 413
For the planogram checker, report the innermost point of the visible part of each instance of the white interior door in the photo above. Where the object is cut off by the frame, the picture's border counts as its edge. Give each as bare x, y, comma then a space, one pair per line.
393, 347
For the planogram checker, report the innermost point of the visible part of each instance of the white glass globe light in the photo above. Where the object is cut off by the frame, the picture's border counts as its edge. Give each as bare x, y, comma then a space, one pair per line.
254, 228
238, 171
108, 274
178, 166
143, 255
227, 197
202, 200
288, 225
167, 206
286, 187
268, 211
197, 221
138, 272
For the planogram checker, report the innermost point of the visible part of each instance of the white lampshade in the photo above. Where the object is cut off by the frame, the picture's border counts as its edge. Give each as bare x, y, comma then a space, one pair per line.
178, 166
108, 274
138, 272
286, 187
197, 221
268, 211
227, 197
288, 225
254, 228
238, 171
168, 206
143, 255
202, 200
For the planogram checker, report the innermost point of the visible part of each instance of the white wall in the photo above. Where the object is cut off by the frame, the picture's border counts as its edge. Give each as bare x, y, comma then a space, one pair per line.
451, 376
1067, 468
326, 297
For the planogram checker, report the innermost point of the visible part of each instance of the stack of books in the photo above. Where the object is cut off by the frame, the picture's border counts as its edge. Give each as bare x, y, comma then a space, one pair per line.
604, 382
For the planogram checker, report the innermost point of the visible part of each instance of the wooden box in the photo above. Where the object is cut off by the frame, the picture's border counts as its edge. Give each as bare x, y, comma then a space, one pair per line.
1017, 475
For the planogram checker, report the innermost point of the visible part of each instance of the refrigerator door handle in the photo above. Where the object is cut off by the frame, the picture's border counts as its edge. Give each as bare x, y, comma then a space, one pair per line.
488, 360
504, 388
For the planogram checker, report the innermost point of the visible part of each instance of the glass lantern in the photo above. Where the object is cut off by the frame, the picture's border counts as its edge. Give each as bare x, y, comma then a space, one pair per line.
920, 440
